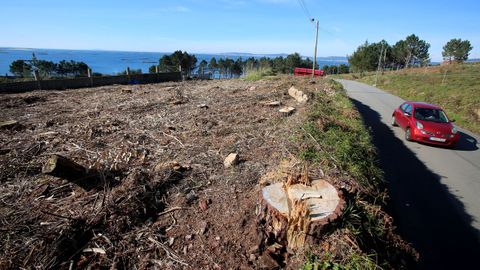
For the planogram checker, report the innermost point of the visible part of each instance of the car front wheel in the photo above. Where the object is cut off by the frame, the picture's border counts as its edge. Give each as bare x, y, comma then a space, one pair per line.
394, 121
452, 146
408, 134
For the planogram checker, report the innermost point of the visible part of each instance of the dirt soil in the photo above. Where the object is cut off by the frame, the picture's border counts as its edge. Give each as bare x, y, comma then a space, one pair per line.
163, 198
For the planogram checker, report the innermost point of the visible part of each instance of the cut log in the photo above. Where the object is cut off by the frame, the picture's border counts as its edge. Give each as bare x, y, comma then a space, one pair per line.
287, 110
272, 103
67, 169
296, 213
177, 102
8, 124
173, 165
298, 95
231, 160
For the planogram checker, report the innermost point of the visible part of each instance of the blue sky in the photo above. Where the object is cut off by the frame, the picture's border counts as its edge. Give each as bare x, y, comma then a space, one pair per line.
216, 26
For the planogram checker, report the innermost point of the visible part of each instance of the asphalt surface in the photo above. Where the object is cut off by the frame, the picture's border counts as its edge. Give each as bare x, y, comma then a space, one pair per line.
434, 192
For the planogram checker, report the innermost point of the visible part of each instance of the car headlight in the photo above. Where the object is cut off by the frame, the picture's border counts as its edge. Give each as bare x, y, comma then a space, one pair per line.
454, 130
419, 125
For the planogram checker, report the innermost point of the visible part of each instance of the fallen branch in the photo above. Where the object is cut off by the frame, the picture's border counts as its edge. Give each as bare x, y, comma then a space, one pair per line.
171, 210
173, 224
56, 215
83, 149
173, 137
170, 253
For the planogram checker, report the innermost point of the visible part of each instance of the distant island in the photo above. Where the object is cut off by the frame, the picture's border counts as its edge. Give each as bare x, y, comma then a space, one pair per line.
473, 60
342, 59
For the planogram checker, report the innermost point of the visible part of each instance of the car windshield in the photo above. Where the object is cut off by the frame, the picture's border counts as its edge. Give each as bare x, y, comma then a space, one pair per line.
433, 115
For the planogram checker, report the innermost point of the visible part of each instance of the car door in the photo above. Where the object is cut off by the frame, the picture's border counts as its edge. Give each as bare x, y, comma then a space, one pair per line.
407, 116
399, 115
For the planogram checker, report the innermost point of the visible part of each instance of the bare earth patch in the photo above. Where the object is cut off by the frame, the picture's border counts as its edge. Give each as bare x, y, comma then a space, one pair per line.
163, 197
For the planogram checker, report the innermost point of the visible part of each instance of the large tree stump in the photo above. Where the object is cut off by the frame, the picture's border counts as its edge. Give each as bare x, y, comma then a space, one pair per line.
67, 169
296, 213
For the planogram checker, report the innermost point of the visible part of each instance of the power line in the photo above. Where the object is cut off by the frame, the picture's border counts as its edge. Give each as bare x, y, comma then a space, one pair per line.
312, 20
305, 9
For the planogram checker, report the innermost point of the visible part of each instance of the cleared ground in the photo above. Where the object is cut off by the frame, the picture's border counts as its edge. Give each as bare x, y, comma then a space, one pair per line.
164, 198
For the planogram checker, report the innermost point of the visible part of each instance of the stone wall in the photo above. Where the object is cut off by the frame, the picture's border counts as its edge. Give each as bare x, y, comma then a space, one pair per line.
61, 84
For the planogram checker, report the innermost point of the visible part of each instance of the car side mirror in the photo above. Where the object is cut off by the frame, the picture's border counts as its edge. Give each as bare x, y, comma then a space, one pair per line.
406, 114
452, 120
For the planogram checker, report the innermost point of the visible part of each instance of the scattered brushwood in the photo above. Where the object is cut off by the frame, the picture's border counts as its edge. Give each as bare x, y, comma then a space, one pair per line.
135, 179
160, 195
179, 97
17, 159
97, 224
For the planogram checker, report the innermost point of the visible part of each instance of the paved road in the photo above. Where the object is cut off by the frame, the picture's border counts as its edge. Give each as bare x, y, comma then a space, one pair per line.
435, 192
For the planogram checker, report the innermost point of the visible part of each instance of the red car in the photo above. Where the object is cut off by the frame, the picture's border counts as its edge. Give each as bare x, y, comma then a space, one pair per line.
425, 123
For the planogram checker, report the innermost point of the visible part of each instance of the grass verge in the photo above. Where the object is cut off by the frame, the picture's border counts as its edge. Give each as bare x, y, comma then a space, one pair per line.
333, 136
353, 262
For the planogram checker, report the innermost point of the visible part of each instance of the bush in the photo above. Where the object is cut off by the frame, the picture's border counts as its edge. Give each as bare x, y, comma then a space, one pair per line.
255, 75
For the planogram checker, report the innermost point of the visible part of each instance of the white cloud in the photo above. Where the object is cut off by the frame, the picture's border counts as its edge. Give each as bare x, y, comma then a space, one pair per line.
180, 9
233, 4
277, 1
336, 29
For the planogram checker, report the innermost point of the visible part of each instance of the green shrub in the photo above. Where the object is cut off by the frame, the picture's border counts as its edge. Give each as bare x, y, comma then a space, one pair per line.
258, 74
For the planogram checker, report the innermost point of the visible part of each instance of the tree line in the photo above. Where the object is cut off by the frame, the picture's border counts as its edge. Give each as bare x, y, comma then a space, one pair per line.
227, 67
48, 69
409, 52
334, 69
179, 61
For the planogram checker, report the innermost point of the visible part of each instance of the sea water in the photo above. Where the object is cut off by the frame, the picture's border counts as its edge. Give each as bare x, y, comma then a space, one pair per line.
111, 62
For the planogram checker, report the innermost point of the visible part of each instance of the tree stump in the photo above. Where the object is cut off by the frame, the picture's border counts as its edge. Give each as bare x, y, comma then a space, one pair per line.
296, 213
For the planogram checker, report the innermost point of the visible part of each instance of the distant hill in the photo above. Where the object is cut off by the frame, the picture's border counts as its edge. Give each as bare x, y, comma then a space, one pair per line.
253, 54
341, 59
473, 60
334, 58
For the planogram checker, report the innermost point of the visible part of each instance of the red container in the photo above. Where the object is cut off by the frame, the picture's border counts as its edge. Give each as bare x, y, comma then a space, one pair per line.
307, 72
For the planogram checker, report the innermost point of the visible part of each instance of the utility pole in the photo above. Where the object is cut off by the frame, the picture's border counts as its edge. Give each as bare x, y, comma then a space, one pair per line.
315, 51
384, 60
379, 62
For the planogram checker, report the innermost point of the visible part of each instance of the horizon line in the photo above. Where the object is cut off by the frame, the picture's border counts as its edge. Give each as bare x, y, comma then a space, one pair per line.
140, 51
